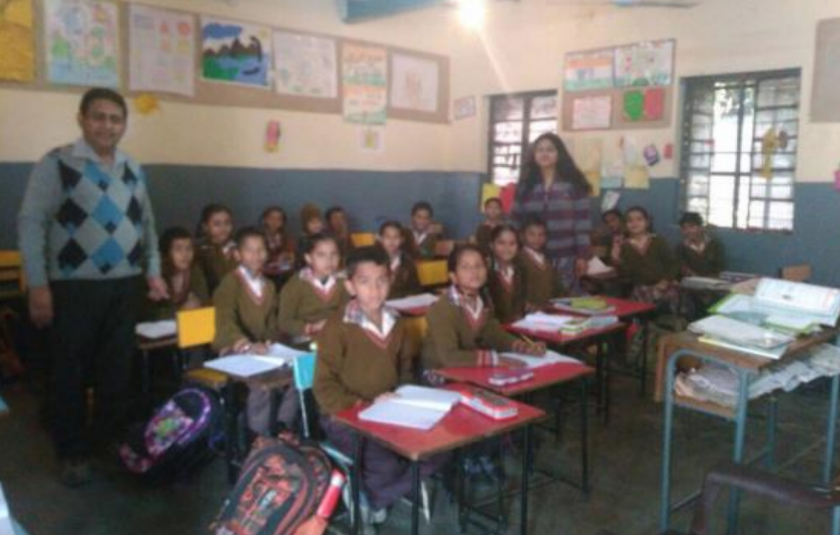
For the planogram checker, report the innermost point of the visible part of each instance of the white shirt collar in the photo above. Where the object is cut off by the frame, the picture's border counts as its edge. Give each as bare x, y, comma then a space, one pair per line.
254, 282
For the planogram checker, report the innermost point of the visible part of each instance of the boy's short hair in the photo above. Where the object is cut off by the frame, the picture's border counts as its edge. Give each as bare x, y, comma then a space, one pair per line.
500, 229
458, 252
246, 233
492, 200
170, 236
368, 254
533, 221
315, 239
332, 210
396, 225
422, 205
691, 218
614, 211
102, 93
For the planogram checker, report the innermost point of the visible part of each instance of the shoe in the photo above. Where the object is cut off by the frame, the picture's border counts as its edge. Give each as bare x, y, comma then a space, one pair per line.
378, 516
75, 473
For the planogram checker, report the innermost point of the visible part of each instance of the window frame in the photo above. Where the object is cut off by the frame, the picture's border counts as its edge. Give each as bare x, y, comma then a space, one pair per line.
694, 83
528, 97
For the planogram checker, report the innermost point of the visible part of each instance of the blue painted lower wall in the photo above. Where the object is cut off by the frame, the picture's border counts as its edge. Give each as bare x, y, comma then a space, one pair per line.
179, 192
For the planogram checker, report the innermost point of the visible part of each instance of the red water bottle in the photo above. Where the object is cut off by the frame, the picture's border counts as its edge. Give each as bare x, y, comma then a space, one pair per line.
331, 497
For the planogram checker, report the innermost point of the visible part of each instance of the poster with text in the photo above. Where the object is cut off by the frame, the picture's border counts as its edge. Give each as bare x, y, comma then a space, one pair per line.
365, 83
305, 65
161, 51
17, 41
82, 42
592, 113
235, 52
414, 83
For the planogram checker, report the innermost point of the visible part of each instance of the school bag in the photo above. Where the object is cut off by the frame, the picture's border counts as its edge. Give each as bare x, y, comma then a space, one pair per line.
281, 484
181, 435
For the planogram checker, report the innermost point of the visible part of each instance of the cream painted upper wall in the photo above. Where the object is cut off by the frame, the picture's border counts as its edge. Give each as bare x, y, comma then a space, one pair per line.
523, 44
229, 136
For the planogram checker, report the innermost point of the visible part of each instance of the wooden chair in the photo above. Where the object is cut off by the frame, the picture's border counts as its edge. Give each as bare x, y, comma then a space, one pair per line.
363, 239
432, 273
197, 328
12, 281
797, 273
761, 484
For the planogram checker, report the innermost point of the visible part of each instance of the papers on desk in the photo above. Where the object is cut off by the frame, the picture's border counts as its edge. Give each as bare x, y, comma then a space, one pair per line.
154, 330
597, 267
742, 336
540, 321
416, 407
787, 303
705, 283
588, 306
412, 302
549, 358
245, 366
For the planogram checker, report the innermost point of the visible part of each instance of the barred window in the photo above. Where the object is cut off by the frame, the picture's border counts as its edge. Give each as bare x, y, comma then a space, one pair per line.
739, 141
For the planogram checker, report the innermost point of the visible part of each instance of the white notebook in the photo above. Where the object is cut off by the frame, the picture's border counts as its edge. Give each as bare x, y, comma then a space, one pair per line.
412, 301
427, 398
393, 413
549, 358
540, 321
245, 366
154, 330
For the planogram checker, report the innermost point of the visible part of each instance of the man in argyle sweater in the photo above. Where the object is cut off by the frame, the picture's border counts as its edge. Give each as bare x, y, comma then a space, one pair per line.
87, 234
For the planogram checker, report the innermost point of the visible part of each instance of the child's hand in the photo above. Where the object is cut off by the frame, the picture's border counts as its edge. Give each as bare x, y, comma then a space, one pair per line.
243, 345
510, 363
385, 397
259, 349
521, 346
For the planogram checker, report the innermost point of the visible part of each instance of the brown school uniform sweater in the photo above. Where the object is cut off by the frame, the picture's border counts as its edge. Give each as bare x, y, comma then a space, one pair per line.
452, 339
650, 266
301, 303
482, 237
542, 283
508, 296
356, 365
709, 263
166, 309
215, 263
404, 280
424, 250
240, 314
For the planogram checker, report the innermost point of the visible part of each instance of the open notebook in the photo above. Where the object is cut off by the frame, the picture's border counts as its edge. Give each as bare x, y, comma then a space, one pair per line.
245, 366
412, 302
416, 407
549, 358
540, 321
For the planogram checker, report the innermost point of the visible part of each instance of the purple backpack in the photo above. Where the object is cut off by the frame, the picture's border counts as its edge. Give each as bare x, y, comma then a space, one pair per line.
180, 436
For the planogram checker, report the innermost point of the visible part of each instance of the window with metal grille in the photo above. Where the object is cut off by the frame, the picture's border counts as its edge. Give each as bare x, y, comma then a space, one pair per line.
740, 134
515, 121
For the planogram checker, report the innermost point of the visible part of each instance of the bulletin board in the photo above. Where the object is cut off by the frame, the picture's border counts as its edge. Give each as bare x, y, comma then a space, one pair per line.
214, 93
619, 88
825, 96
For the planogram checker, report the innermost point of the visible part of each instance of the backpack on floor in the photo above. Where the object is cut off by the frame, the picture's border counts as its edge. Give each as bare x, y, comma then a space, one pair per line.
281, 484
180, 436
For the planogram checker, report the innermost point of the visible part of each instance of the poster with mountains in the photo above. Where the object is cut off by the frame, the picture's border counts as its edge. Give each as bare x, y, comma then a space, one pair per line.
235, 52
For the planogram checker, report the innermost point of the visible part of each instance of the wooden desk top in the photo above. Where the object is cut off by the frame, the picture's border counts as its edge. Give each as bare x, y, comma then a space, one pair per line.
544, 377
690, 341
461, 427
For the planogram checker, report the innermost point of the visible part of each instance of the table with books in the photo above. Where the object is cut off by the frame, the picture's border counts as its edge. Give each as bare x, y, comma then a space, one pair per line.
566, 331
421, 422
540, 373
779, 338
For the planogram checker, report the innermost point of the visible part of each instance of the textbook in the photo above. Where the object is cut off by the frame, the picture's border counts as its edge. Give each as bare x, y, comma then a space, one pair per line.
787, 304
417, 407
540, 321
588, 306
741, 336
155, 330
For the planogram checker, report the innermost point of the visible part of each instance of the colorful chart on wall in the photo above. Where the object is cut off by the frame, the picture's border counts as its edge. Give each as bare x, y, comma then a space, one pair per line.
81, 42
589, 70
305, 65
592, 113
649, 63
17, 41
161, 51
235, 52
414, 83
365, 83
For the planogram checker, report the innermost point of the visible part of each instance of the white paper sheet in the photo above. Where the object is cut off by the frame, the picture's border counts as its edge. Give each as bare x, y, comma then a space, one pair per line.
413, 301
155, 330
540, 321
596, 266
397, 414
427, 398
739, 332
245, 366
550, 357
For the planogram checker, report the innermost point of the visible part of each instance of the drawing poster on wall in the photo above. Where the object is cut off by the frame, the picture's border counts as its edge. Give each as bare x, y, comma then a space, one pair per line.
82, 42
161, 51
235, 52
365, 83
592, 113
305, 65
414, 83
649, 63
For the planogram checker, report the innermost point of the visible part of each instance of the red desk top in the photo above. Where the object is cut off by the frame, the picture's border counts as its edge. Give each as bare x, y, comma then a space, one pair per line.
556, 337
461, 427
623, 308
544, 377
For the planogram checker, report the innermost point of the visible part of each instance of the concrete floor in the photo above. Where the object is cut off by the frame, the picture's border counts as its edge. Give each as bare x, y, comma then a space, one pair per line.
625, 477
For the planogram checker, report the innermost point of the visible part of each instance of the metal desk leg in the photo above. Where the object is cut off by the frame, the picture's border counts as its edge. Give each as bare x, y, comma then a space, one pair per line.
830, 434
772, 416
232, 435
526, 468
145, 380
645, 352
460, 484
835, 521
584, 436
415, 497
607, 379
355, 485
667, 443
738, 453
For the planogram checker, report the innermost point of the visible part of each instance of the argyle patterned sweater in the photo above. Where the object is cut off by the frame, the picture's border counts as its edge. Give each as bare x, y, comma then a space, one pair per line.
79, 221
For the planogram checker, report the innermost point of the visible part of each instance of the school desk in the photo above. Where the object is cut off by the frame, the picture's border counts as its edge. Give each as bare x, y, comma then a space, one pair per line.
596, 337
627, 311
545, 377
458, 429
685, 344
